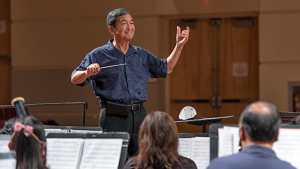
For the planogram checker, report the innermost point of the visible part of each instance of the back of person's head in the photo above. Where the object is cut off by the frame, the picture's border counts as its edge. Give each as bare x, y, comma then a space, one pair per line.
112, 17
8, 126
295, 120
158, 141
28, 140
261, 121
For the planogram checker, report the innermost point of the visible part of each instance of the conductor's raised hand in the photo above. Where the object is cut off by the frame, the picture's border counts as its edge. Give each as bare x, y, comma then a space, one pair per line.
93, 69
182, 36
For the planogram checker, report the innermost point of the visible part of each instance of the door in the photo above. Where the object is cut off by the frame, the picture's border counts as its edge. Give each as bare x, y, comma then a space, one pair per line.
217, 72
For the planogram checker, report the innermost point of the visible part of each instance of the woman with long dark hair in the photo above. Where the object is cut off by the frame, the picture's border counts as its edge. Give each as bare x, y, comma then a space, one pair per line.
28, 140
158, 142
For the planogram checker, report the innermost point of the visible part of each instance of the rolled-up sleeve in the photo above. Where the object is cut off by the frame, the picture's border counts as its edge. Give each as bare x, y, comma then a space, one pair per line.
83, 66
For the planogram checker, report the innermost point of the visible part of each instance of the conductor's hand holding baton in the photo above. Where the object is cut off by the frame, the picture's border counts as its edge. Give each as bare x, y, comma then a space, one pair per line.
93, 69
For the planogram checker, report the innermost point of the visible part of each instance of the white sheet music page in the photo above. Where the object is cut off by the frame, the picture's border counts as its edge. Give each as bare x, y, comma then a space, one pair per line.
200, 153
184, 147
101, 154
4, 146
64, 153
4, 139
225, 143
236, 137
8, 163
287, 148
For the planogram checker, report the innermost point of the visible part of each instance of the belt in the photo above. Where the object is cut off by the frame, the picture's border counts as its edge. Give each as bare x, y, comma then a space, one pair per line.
133, 107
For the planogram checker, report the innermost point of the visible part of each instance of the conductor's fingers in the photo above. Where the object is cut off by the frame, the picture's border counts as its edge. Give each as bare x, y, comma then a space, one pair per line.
178, 30
188, 29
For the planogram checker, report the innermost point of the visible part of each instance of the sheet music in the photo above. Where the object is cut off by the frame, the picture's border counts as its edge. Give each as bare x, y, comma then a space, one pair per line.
64, 153
4, 139
200, 151
225, 143
236, 137
8, 163
184, 147
101, 154
4, 146
287, 148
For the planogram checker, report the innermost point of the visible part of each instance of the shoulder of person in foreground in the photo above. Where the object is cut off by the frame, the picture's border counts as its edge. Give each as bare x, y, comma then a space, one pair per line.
188, 163
130, 164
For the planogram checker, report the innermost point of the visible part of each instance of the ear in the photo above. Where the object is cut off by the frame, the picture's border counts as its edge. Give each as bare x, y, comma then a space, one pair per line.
242, 134
111, 30
9, 144
43, 147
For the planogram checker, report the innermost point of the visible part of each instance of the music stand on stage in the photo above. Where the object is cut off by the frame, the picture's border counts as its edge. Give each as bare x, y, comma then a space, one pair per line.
204, 121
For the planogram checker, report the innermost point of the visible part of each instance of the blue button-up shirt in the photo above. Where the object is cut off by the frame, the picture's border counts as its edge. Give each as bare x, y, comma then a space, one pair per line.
125, 84
251, 157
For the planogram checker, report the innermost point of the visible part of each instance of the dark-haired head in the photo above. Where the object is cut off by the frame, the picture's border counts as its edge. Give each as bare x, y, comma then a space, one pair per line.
28, 146
158, 141
112, 17
261, 121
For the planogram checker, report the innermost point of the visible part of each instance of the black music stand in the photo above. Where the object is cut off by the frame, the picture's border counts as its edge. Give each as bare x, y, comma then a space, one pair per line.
204, 121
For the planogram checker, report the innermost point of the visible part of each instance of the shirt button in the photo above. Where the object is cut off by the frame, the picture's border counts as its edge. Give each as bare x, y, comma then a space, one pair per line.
128, 78
130, 90
127, 67
132, 101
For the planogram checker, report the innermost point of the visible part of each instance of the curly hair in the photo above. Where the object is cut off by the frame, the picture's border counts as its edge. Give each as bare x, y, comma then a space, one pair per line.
158, 142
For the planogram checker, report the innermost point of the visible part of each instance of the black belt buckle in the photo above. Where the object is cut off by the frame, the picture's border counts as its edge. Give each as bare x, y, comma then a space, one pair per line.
135, 109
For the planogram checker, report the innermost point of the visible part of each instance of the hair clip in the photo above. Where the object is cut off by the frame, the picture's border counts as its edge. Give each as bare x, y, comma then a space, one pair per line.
27, 130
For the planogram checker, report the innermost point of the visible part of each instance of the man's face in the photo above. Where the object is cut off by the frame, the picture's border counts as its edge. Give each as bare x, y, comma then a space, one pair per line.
124, 29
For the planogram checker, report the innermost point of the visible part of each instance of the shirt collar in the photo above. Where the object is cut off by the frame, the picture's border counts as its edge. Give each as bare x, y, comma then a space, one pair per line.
257, 149
113, 48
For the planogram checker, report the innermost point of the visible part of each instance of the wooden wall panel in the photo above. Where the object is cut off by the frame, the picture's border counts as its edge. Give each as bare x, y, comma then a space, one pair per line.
274, 80
58, 9
5, 28
173, 7
5, 81
279, 5
279, 37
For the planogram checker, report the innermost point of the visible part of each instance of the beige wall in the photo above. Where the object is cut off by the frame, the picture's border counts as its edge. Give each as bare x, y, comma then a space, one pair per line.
51, 37
279, 52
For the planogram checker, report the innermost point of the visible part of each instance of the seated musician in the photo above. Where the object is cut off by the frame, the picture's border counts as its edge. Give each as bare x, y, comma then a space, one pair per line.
259, 124
158, 141
29, 142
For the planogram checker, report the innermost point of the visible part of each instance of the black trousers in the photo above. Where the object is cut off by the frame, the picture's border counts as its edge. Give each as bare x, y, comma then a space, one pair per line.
130, 124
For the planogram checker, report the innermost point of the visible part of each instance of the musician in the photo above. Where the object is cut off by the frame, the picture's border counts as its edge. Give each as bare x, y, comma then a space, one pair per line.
259, 124
122, 86
29, 141
158, 144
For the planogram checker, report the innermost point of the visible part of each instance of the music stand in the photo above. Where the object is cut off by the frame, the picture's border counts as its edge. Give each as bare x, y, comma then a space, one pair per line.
105, 135
204, 121
8, 160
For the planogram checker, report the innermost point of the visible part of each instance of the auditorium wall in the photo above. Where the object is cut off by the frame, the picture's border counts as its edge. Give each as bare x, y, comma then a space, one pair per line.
50, 38
279, 52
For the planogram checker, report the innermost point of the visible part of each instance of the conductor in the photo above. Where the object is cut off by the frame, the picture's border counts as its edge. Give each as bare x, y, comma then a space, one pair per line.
119, 74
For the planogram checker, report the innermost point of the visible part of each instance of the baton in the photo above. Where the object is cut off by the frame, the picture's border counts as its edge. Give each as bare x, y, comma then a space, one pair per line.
112, 66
